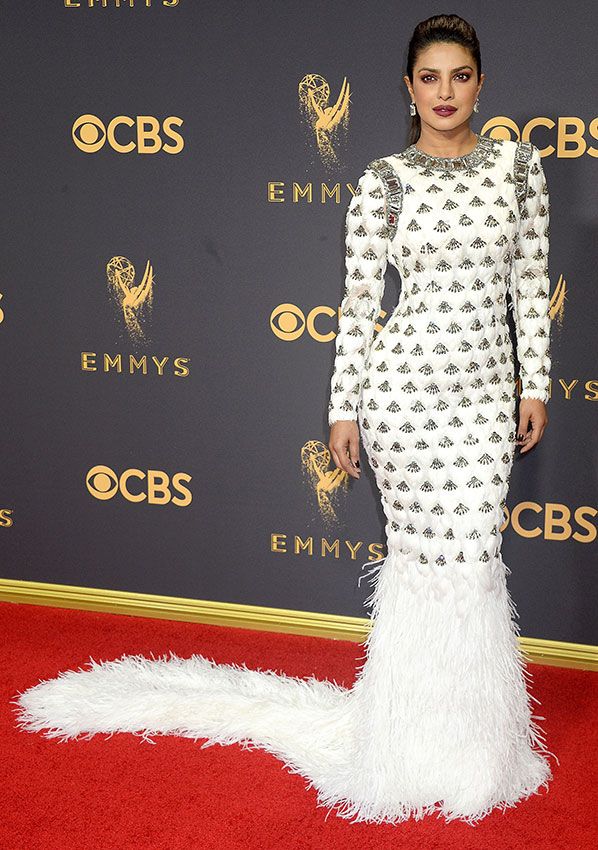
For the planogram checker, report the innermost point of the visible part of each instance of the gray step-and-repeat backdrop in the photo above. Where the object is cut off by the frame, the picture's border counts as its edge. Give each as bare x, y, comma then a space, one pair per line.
175, 180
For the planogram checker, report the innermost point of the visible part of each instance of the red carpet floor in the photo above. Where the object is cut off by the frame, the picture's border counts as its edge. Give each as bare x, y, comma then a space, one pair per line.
121, 792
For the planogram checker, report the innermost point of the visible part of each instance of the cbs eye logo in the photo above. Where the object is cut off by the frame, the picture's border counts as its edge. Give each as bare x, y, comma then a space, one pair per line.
153, 486
143, 134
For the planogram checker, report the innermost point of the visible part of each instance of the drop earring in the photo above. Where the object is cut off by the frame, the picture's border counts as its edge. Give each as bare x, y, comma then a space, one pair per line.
476, 104
412, 109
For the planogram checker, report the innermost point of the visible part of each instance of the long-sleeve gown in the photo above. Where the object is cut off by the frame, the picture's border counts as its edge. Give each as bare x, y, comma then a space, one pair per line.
439, 718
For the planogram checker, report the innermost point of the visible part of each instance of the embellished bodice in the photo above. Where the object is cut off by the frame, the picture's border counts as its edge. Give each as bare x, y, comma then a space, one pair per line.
463, 232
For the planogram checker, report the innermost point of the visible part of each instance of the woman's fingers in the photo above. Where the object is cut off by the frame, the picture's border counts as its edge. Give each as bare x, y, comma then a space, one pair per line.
530, 440
522, 427
341, 464
354, 451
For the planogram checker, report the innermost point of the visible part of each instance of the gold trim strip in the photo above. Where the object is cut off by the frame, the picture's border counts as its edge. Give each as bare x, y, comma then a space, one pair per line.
335, 626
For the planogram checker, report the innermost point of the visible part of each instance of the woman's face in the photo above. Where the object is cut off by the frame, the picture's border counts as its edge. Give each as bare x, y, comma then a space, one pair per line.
444, 75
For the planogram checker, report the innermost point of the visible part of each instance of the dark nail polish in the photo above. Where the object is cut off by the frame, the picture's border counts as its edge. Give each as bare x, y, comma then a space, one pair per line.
357, 464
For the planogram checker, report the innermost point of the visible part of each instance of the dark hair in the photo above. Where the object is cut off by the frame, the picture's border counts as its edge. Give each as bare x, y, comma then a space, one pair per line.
439, 28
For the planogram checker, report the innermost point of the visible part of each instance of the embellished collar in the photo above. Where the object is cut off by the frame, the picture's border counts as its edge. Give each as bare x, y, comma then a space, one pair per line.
482, 149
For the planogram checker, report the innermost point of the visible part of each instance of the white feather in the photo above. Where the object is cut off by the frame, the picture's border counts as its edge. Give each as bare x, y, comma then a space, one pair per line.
438, 719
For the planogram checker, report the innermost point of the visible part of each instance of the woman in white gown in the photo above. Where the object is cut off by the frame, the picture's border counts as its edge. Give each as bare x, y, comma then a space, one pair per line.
439, 718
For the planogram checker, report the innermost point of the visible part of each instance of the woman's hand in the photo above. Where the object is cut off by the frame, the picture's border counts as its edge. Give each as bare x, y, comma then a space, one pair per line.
532, 414
344, 446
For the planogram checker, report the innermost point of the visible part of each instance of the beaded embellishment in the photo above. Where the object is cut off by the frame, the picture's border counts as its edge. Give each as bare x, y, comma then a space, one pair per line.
521, 162
393, 192
484, 147
523, 153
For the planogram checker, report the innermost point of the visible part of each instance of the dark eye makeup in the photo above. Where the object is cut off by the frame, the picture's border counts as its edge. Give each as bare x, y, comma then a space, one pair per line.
462, 74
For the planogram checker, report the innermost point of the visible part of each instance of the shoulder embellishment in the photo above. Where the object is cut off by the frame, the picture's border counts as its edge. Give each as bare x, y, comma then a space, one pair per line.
523, 153
393, 191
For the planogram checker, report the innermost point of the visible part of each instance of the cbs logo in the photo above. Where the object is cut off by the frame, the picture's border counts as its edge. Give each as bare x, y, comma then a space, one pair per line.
125, 135
569, 134
134, 485
288, 322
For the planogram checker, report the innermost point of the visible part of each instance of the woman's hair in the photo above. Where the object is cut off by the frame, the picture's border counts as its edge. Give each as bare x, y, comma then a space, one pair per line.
439, 28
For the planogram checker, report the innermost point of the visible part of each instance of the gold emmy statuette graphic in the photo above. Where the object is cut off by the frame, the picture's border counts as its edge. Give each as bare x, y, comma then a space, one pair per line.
315, 463
323, 118
133, 300
557, 301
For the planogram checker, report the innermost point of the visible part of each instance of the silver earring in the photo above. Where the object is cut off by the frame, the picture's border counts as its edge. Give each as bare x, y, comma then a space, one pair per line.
476, 104
412, 109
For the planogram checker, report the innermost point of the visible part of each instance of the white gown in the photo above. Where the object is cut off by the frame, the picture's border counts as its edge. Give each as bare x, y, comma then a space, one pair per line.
439, 718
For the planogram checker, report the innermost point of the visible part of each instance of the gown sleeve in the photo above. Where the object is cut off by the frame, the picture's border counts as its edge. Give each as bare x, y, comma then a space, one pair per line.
366, 247
532, 285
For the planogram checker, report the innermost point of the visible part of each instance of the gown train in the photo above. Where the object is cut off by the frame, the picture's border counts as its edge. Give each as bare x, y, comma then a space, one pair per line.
438, 719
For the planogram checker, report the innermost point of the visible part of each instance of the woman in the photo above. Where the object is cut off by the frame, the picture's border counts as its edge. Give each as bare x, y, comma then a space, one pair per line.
439, 716
465, 219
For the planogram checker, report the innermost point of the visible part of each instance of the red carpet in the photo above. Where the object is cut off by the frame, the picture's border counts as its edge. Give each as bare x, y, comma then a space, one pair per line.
120, 792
